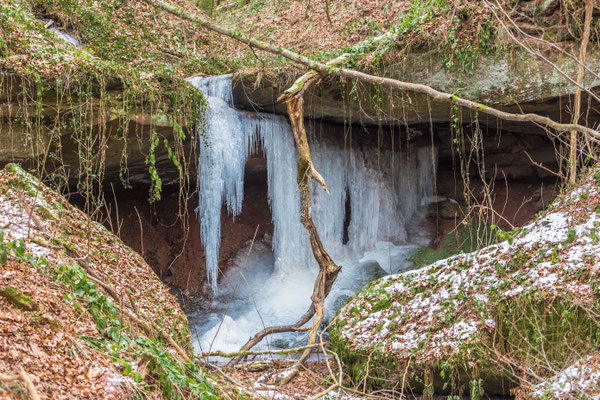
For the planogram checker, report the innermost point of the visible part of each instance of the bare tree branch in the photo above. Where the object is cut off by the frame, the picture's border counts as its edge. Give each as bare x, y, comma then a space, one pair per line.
325, 70
539, 55
589, 9
546, 42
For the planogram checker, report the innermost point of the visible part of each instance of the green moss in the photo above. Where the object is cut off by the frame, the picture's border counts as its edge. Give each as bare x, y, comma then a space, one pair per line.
39, 319
464, 240
19, 299
127, 67
536, 332
206, 5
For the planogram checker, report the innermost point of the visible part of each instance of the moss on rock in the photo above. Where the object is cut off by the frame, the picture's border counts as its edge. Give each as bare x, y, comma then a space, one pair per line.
506, 316
18, 299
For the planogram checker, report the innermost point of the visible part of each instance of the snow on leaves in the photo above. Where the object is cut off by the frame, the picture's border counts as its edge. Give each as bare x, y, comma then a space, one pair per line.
434, 313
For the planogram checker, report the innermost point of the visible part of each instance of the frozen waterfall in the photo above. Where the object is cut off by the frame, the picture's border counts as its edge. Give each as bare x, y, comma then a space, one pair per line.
383, 188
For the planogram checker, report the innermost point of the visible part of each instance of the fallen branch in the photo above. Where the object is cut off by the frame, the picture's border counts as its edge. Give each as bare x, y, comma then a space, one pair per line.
26, 379
256, 352
133, 313
328, 269
254, 340
325, 70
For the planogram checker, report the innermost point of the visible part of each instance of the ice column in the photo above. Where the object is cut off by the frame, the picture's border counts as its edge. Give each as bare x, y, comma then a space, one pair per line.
224, 144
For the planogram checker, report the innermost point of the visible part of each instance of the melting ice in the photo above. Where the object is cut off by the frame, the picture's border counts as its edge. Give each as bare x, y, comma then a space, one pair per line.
272, 286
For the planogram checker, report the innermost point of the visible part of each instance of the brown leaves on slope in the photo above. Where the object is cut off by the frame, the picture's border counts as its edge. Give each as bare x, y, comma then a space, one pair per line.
49, 343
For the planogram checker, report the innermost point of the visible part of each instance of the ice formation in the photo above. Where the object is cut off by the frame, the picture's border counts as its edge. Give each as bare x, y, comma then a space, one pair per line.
384, 188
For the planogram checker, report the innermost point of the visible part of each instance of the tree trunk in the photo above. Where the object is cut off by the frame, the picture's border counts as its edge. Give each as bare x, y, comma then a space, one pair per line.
589, 9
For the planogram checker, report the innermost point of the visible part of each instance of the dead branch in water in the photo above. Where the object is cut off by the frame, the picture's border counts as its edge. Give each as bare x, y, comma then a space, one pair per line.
328, 270
257, 352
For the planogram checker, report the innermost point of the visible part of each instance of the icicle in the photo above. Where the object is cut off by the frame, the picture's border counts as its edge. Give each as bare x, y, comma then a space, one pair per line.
223, 152
66, 37
290, 242
215, 86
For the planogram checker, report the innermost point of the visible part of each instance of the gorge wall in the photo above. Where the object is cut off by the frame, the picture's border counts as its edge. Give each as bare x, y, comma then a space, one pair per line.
511, 152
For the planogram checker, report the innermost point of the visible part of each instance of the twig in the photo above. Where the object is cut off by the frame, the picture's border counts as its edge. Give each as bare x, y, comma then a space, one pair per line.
255, 352
256, 56
36, 221
148, 326
133, 305
141, 230
546, 42
404, 378
324, 392
239, 386
556, 67
327, 12
25, 378
494, 212
540, 165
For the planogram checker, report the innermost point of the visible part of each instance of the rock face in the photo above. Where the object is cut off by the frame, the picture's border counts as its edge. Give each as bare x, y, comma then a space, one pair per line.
114, 141
511, 81
484, 321
514, 80
500, 80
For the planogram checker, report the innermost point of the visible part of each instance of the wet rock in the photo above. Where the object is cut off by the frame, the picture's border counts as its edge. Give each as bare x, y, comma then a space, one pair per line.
448, 208
371, 271
341, 300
